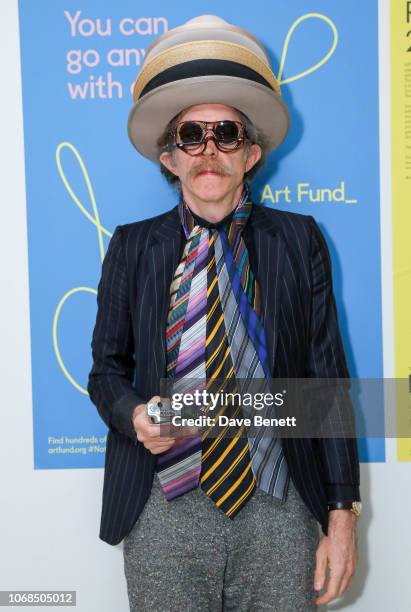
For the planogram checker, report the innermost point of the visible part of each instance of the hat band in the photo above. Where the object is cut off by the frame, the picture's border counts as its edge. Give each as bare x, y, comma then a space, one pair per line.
204, 67
200, 50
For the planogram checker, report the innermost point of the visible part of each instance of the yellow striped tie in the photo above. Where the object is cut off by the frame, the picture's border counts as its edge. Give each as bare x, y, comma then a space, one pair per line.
226, 474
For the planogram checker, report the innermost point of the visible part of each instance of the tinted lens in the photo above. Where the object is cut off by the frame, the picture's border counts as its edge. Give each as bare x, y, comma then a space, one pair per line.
226, 132
190, 132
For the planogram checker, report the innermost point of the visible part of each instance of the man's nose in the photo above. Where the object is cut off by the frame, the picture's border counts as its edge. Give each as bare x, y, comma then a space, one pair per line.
210, 145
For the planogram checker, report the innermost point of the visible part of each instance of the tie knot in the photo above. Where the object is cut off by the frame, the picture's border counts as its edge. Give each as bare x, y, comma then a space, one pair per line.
197, 229
236, 219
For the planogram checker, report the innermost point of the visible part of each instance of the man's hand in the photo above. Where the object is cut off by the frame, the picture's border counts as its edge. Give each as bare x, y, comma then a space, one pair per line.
151, 434
339, 551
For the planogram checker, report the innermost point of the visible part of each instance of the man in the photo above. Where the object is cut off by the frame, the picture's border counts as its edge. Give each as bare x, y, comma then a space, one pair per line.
218, 288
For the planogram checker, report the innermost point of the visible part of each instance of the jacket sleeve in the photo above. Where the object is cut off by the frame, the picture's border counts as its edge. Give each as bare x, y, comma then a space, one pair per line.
326, 359
110, 379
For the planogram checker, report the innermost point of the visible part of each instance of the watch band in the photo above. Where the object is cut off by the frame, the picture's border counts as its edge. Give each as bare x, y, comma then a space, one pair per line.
353, 506
341, 505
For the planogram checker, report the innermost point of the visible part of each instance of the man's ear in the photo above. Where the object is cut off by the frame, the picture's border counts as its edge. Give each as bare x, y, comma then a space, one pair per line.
167, 159
253, 155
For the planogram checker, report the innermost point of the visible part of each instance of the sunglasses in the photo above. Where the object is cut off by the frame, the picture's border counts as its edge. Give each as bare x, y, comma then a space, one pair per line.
190, 136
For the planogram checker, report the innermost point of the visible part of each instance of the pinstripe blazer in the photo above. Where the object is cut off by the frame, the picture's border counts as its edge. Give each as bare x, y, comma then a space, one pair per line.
293, 267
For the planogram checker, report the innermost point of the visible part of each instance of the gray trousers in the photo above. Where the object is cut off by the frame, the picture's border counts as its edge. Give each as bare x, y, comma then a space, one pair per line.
187, 555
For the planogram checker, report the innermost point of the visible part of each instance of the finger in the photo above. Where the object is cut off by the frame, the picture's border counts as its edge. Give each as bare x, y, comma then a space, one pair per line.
159, 443
159, 449
154, 399
146, 436
346, 581
144, 432
177, 431
143, 422
333, 587
162, 431
170, 430
188, 430
345, 585
320, 569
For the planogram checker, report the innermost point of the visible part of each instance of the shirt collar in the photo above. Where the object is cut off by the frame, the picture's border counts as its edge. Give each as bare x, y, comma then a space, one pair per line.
210, 224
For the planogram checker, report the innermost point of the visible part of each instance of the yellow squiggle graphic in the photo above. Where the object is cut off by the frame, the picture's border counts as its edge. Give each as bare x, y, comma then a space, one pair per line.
96, 218
287, 42
100, 231
55, 339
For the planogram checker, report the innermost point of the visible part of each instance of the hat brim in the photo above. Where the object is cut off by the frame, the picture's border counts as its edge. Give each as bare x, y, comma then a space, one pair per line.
150, 115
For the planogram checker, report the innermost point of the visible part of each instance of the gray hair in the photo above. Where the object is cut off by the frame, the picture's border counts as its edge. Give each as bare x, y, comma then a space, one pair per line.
254, 134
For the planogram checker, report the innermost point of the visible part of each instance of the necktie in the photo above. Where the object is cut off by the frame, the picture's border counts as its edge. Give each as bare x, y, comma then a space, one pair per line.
226, 471
198, 347
179, 467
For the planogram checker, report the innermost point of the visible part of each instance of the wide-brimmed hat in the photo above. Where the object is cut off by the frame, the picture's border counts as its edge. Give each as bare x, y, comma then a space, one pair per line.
206, 60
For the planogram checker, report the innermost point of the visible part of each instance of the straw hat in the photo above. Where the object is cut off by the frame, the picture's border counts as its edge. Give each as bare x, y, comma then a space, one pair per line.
205, 60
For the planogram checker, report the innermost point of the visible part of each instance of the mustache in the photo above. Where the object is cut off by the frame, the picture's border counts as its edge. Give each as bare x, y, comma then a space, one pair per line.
216, 167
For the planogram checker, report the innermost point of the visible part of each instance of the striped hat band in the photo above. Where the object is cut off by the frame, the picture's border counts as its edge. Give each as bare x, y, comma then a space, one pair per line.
200, 58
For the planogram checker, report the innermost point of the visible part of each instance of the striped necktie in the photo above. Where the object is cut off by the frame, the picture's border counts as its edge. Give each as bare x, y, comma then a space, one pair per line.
226, 471
198, 348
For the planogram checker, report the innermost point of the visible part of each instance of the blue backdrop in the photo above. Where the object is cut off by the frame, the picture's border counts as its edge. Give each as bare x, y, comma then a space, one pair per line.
83, 177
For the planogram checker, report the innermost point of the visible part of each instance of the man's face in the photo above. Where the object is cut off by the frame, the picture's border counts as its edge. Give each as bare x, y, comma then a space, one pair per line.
225, 169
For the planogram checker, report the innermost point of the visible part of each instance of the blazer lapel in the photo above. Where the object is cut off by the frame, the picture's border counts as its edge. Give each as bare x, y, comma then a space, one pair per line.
162, 259
269, 251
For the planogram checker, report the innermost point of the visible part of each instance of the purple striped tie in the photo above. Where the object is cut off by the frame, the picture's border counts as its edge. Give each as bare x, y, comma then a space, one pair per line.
179, 467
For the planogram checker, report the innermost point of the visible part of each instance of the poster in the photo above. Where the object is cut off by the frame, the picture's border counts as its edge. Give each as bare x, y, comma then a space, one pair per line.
79, 61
